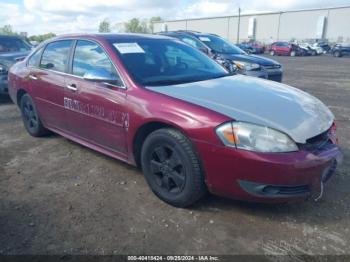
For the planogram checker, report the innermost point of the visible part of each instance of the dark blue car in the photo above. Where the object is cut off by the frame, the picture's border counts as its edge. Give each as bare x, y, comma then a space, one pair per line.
230, 55
340, 49
12, 50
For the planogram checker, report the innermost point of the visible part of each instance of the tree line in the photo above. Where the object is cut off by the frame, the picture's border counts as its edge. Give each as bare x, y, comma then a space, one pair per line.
7, 30
134, 25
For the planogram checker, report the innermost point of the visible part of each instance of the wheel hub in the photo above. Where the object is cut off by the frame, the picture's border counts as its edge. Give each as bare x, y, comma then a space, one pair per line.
168, 169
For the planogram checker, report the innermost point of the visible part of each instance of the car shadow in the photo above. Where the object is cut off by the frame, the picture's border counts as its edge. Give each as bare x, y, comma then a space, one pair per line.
5, 99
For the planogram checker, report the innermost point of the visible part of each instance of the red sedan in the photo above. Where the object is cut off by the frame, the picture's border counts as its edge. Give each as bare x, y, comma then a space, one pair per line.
285, 48
155, 102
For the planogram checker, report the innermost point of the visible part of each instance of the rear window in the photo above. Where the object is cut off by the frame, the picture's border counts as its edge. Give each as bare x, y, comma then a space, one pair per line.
13, 44
55, 56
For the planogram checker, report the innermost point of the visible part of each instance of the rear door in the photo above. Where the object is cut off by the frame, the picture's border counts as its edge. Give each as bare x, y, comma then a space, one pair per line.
95, 110
47, 81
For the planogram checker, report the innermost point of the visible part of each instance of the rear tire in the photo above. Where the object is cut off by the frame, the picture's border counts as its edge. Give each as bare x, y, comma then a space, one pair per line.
172, 168
272, 52
293, 53
30, 117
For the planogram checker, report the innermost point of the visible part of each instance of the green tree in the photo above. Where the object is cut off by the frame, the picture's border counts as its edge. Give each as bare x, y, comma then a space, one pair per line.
136, 26
40, 38
7, 30
153, 20
104, 27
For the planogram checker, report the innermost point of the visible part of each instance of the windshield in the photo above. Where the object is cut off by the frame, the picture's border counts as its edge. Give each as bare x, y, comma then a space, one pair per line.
156, 62
13, 44
220, 45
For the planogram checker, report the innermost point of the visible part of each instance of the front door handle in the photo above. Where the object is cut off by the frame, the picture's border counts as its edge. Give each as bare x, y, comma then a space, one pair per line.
33, 77
72, 87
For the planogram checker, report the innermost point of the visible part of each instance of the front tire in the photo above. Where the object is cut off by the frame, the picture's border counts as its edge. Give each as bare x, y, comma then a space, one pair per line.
293, 53
272, 53
337, 54
30, 117
172, 168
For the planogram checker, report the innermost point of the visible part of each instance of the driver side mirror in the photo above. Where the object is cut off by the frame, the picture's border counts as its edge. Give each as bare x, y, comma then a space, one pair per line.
103, 76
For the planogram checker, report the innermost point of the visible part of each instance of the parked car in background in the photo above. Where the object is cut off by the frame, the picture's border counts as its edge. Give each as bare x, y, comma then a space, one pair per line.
286, 48
311, 49
12, 50
324, 45
187, 38
341, 49
158, 103
252, 47
246, 48
227, 53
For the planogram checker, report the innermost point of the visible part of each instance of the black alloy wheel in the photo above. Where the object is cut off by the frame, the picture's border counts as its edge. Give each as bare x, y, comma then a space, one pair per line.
31, 118
172, 168
168, 169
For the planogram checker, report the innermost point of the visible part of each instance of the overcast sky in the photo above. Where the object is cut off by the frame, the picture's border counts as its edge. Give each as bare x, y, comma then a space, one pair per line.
67, 16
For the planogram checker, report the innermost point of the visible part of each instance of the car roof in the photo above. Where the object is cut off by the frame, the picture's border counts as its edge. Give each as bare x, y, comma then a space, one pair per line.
187, 32
116, 37
10, 36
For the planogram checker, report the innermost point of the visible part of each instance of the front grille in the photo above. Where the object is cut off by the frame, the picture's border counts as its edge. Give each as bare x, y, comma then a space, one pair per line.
270, 67
277, 78
318, 143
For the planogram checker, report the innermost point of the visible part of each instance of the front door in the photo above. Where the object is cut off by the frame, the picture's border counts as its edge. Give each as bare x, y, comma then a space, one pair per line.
96, 110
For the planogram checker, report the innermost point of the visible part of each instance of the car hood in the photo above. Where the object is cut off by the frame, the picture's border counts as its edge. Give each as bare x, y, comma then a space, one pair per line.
10, 58
257, 101
250, 59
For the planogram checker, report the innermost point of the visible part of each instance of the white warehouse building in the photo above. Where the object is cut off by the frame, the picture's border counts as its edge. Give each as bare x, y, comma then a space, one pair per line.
332, 24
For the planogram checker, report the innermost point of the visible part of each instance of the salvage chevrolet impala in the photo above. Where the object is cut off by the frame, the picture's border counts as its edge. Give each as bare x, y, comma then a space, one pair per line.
160, 104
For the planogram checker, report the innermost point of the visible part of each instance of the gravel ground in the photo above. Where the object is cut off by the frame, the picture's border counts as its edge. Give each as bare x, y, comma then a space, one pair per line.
57, 197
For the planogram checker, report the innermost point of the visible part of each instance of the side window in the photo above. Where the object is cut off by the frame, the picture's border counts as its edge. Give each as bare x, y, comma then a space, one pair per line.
90, 56
55, 56
35, 58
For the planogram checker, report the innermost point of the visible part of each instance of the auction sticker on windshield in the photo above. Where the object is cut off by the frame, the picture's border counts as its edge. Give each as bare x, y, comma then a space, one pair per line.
128, 48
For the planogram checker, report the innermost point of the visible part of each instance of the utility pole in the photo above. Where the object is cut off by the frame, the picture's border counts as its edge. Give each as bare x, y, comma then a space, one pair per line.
239, 21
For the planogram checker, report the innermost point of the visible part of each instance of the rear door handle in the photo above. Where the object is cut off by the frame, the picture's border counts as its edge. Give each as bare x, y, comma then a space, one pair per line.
72, 87
33, 77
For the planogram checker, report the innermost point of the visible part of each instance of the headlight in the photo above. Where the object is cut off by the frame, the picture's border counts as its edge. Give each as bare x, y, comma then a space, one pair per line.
246, 66
231, 67
3, 69
255, 138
